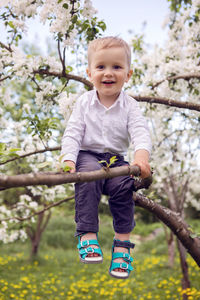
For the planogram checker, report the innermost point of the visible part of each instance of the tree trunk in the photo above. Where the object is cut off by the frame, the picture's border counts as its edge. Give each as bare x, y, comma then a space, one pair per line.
171, 249
184, 267
36, 234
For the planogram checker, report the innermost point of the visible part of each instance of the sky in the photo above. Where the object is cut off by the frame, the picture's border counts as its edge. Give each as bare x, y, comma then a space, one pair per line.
123, 15
120, 17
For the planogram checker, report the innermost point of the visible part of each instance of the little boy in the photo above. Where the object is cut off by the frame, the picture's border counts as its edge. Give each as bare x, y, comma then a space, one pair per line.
103, 123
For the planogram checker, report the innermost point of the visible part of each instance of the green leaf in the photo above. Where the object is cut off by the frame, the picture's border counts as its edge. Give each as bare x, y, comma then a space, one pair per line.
2, 147
14, 150
65, 167
195, 235
65, 5
102, 161
10, 23
74, 19
38, 77
68, 69
60, 158
113, 159
44, 165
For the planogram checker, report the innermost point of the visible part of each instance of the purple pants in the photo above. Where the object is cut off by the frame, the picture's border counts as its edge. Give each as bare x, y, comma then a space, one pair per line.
88, 195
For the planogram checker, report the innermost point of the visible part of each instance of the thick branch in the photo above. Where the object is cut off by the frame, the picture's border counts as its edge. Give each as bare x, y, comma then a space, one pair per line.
149, 99
67, 76
51, 179
174, 222
184, 76
165, 101
31, 153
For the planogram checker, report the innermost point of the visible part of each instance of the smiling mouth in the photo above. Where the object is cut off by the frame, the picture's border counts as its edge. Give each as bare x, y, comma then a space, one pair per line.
108, 82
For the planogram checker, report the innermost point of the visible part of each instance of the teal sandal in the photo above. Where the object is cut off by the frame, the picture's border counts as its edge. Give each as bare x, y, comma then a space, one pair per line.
126, 265
85, 248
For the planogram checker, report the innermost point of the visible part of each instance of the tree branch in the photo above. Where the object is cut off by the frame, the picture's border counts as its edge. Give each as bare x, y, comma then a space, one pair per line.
184, 76
165, 101
62, 59
51, 178
174, 222
67, 76
31, 153
38, 212
4, 78
149, 99
2, 45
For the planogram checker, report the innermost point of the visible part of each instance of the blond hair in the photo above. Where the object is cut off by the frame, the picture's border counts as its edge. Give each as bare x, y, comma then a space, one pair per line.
109, 42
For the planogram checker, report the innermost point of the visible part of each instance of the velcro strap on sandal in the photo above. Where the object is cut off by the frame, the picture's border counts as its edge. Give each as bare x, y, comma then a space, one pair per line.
123, 244
123, 266
125, 256
87, 243
85, 251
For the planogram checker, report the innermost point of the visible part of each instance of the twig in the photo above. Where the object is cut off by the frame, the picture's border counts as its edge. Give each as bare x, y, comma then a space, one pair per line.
31, 153
4, 78
184, 76
6, 47
39, 212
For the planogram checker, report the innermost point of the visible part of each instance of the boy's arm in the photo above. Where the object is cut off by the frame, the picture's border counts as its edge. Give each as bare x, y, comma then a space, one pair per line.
141, 159
73, 135
140, 138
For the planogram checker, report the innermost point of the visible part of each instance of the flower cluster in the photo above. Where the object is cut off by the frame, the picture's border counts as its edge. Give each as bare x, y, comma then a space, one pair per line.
69, 280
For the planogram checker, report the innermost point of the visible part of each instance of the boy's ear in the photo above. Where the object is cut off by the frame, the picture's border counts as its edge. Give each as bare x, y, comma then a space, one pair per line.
88, 73
129, 74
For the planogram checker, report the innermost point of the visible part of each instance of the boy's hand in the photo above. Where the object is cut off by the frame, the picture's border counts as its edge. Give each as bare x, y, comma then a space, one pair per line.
70, 164
141, 159
144, 167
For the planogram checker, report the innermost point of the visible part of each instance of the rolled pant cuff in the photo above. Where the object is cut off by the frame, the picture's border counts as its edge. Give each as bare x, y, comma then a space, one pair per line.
124, 229
86, 228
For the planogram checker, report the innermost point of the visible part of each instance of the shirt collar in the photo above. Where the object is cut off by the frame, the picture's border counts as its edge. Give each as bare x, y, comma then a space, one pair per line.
119, 100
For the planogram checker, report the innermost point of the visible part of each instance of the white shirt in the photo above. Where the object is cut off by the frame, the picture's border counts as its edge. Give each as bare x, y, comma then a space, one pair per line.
94, 127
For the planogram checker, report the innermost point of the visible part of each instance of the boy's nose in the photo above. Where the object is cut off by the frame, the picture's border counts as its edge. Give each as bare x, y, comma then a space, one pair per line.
108, 72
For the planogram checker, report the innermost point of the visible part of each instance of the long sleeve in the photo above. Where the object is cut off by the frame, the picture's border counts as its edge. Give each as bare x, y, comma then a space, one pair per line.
138, 128
73, 134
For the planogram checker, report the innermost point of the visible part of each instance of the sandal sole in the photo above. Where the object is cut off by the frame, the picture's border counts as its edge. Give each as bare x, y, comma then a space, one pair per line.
91, 262
118, 277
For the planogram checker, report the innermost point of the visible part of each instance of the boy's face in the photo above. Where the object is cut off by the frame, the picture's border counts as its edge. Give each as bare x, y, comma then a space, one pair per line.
108, 71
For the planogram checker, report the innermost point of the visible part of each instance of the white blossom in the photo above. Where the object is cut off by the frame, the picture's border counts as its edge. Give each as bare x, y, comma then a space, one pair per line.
66, 103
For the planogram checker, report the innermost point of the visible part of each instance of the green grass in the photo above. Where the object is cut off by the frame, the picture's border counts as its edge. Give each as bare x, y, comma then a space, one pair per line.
57, 274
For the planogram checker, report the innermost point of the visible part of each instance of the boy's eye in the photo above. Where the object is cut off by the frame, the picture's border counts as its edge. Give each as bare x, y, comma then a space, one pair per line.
116, 67
100, 67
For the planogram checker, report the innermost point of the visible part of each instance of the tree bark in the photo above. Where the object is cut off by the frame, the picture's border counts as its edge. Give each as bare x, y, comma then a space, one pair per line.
35, 235
174, 222
51, 178
170, 246
185, 282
